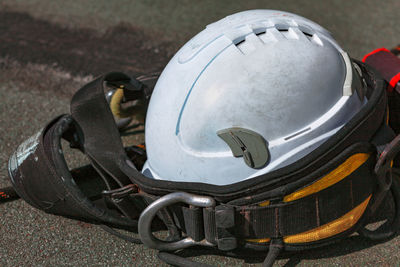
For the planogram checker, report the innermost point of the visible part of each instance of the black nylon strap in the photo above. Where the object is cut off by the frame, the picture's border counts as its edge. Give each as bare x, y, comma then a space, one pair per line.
283, 219
225, 222
312, 211
102, 142
193, 217
210, 232
44, 180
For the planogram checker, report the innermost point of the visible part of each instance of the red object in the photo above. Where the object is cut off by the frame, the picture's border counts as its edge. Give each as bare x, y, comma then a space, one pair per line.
386, 63
374, 52
395, 80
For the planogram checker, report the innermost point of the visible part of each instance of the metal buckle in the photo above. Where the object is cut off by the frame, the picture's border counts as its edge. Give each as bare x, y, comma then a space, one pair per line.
147, 216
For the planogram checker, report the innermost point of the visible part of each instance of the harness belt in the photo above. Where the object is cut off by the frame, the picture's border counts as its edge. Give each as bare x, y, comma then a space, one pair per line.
226, 223
296, 207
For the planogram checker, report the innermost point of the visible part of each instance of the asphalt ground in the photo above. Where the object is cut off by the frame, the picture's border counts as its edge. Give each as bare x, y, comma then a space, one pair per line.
49, 48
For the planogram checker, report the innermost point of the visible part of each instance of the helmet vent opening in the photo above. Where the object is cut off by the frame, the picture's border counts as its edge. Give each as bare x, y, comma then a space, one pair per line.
282, 27
260, 31
245, 47
311, 35
239, 41
316, 40
307, 34
306, 31
289, 33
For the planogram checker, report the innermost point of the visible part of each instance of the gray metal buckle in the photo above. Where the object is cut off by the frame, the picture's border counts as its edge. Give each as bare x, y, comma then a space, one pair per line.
147, 216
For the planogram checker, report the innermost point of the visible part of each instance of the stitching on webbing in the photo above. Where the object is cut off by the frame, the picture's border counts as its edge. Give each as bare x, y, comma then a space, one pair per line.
317, 210
276, 221
351, 194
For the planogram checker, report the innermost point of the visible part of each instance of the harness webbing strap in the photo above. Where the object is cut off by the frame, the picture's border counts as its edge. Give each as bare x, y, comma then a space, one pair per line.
386, 63
210, 233
102, 142
193, 216
43, 178
289, 218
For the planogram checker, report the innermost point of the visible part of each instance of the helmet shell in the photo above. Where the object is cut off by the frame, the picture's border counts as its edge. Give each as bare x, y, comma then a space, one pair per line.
274, 73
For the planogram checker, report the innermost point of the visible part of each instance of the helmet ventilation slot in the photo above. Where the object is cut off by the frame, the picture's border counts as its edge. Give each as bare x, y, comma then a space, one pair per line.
267, 35
239, 41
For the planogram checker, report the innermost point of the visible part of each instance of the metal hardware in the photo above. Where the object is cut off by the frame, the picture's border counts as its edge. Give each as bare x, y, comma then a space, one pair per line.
144, 226
109, 95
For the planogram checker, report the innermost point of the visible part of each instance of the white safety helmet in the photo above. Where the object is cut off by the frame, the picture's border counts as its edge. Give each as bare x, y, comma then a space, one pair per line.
251, 93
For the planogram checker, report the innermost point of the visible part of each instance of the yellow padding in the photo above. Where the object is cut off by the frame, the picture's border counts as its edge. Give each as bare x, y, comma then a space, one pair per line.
387, 115
115, 105
330, 229
338, 174
264, 240
334, 227
265, 203
327, 230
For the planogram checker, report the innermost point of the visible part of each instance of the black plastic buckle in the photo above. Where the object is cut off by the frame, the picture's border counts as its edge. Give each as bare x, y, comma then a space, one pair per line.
121, 192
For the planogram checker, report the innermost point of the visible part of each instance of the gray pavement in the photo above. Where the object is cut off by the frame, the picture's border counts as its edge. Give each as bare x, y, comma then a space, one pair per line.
35, 89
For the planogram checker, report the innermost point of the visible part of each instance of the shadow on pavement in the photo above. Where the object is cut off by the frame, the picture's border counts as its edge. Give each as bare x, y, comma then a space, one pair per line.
80, 51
